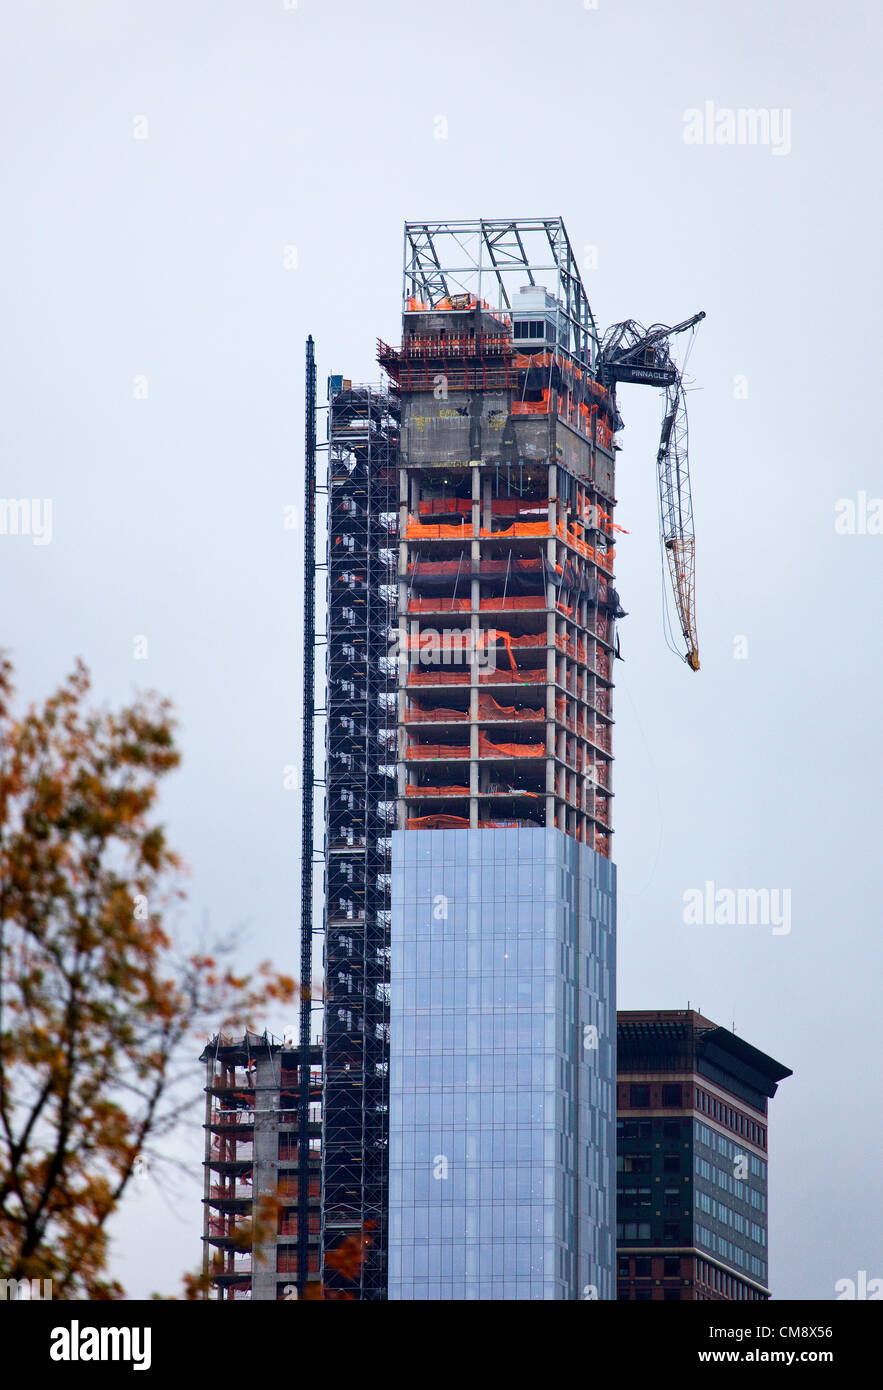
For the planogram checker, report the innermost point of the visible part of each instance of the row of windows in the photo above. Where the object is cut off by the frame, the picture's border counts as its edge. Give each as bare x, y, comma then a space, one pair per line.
671, 1095
643, 1163
495, 1290
492, 1220
642, 1196
719, 1245
727, 1284
646, 1296
641, 1129
728, 1183
719, 1143
640, 1230
733, 1119
641, 1267
719, 1211
633, 1230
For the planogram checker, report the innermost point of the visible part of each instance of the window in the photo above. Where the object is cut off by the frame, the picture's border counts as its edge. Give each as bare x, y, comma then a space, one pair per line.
640, 1097
623, 1269
644, 1295
672, 1266
633, 1129
671, 1230
672, 1196
671, 1163
636, 1230
634, 1163
671, 1095
671, 1296
529, 328
643, 1268
671, 1129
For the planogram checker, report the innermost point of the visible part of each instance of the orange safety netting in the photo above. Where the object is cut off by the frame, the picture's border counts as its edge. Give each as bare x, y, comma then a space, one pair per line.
489, 709
435, 791
524, 604
442, 604
443, 822
437, 822
519, 528
458, 640
533, 677
540, 407
415, 713
415, 530
438, 677
437, 567
436, 750
444, 505
486, 749
517, 506
486, 568
575, 649
520, 563
573, 537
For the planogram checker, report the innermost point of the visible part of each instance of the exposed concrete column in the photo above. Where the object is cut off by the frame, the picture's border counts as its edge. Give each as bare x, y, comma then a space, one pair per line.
265, 1172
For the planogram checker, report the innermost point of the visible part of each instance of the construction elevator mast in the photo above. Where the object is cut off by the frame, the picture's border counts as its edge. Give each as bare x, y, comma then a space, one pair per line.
360, 809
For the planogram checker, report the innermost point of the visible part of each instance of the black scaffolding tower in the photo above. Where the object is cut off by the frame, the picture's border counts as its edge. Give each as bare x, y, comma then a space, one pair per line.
360, 814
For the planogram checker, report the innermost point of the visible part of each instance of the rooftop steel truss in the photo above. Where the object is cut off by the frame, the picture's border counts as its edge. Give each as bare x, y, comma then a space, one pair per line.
493, 258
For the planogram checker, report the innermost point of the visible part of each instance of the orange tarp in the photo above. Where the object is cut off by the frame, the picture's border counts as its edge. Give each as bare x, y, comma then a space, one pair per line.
439, 605
436, 750
436, 791
514, 677
489, 709
513, 750
417, 712
514, 603
438, 677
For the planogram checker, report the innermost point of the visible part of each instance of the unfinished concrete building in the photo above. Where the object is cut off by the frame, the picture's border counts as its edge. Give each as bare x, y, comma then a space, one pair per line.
250, 1199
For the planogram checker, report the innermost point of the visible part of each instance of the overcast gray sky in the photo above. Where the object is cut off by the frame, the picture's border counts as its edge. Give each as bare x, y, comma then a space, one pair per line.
157, 161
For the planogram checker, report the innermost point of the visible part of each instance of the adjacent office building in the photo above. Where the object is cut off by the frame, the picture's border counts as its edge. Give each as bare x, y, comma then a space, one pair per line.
692, 1158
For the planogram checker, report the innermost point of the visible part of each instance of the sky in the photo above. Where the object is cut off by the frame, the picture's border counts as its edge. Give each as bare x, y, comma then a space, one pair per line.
192, 189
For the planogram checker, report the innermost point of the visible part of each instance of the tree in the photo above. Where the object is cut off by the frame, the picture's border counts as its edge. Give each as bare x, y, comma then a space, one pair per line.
99, 1010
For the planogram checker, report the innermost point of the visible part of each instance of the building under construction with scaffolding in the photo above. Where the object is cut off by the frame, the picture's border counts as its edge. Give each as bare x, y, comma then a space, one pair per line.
470, 906
470, 894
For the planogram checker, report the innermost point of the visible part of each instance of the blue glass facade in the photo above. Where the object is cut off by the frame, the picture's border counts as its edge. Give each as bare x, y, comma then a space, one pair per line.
502, 1066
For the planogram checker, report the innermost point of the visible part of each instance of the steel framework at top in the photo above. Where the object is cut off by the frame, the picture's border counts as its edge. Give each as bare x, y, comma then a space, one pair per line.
481, 256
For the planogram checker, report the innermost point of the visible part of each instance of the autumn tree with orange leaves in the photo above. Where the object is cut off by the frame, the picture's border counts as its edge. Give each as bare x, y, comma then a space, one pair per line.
99, 1011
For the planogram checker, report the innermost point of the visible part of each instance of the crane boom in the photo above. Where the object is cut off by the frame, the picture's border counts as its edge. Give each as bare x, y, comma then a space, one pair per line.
631, 353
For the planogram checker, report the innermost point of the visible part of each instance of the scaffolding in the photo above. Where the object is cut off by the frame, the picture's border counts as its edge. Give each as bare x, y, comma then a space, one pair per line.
360, 815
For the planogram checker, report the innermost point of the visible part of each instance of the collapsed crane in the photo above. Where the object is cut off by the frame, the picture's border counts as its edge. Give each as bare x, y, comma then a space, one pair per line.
631, 353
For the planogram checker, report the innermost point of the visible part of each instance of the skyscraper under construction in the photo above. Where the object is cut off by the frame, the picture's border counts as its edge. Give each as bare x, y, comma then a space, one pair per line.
469, 934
